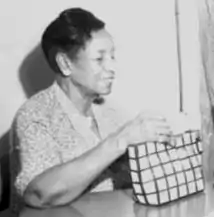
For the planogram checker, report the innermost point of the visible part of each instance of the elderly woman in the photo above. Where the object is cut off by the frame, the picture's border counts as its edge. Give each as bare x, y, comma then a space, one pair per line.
65, 137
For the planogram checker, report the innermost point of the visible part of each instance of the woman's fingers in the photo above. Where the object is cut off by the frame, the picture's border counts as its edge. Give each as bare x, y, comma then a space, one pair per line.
157, 126
162, 130
164, 138
145, 115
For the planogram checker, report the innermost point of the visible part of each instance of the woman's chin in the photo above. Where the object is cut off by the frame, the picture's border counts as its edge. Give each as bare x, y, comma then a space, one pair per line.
105, 92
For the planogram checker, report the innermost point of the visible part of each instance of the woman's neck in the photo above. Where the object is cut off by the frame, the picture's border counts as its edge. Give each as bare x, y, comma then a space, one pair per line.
81, 100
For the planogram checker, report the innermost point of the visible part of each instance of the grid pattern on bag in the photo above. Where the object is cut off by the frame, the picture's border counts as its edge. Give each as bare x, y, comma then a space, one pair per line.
163, 173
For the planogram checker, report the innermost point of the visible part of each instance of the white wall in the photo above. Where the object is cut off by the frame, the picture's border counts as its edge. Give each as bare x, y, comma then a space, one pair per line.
145, 37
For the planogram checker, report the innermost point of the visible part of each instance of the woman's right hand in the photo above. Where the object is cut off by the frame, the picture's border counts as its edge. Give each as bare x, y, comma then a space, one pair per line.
145, 127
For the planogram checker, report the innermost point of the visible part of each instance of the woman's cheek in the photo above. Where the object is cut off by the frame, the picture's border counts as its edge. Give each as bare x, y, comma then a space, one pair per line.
97, 69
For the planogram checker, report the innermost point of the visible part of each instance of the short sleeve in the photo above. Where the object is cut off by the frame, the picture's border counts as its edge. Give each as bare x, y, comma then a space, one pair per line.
37, 153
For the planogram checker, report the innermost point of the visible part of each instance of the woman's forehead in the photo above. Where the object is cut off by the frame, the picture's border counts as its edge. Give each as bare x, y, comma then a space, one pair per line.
101, 42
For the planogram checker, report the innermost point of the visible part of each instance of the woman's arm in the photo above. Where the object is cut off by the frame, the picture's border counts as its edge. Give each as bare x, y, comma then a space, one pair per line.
61, 184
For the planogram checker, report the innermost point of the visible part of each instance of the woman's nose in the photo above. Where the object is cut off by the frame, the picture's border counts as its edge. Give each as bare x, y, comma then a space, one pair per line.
110, 65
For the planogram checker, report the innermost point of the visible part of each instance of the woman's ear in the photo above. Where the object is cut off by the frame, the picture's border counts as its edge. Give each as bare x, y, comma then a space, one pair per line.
64, 63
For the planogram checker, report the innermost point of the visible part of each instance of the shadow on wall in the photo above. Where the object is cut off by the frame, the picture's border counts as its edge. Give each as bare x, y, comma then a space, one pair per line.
34, 75
34, 72
5, 171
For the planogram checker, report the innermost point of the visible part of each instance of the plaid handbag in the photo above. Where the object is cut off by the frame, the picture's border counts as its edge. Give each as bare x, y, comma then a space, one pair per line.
163, 172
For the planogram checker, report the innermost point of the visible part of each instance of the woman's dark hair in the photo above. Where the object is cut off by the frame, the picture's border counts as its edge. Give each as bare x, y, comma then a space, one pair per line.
68, 33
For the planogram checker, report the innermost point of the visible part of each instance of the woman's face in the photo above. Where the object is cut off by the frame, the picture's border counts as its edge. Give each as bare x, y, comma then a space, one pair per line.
94, 68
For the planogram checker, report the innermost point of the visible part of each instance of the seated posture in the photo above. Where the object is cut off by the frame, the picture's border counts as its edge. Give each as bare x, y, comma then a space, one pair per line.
66, 139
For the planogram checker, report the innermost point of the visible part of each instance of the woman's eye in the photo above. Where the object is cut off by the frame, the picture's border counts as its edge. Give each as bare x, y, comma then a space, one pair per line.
99, 59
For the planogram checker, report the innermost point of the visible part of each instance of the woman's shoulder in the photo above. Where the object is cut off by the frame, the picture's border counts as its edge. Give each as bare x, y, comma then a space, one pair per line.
38, 107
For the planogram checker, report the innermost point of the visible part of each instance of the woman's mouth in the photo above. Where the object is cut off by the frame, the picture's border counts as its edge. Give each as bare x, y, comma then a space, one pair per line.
111, 78
108, 80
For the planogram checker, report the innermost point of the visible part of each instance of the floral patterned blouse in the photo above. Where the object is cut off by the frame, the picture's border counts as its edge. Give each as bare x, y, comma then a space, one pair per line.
47, 131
